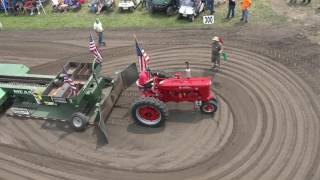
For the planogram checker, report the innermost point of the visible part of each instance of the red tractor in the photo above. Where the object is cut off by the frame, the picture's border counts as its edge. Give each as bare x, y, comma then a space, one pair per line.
158, 87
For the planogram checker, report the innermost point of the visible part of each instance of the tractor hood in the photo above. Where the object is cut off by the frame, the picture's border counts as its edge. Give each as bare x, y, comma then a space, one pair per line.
186, 82
186, 10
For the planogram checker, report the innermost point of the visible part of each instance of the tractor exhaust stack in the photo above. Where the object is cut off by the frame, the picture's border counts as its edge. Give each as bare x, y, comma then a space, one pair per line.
188, 70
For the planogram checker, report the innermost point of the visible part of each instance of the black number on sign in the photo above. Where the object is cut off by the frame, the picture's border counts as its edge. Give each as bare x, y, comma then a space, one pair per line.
208, 20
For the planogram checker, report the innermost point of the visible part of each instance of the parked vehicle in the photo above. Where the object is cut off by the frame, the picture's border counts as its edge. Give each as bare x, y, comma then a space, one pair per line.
190, 9
169, 6
129, 5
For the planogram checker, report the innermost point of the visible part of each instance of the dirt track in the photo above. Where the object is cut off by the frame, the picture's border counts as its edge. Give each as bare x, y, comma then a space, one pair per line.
267, 126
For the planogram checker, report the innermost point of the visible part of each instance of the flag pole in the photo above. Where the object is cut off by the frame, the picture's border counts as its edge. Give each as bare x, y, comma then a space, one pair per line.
93, 71
136, 42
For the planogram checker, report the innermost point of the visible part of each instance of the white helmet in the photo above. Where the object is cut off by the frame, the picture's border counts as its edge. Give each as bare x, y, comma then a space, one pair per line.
215, 38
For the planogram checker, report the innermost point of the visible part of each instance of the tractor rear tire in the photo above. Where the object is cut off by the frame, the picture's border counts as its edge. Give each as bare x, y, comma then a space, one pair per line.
149, 111
209, 107
79, 121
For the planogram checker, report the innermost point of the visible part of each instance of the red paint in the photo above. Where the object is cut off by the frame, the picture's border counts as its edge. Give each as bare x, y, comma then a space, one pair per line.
148, 113
178, 89
143, 78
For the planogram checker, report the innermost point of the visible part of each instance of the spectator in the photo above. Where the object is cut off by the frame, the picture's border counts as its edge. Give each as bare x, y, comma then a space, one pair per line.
97, 26
96, 6
101, 4
29, 5
210, 6
74, 4
245, 5
38, 6
63, 5
19, 6
232, 5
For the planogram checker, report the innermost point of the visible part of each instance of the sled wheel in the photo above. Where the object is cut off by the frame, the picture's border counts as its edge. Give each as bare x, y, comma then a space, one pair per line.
170, 11
149, 111
209, 107
79, 121
191, 18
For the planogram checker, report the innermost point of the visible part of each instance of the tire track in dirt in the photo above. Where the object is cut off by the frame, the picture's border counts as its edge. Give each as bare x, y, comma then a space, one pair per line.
268, 128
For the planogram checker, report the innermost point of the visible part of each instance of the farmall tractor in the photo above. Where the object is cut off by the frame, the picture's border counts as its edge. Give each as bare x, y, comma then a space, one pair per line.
158, 87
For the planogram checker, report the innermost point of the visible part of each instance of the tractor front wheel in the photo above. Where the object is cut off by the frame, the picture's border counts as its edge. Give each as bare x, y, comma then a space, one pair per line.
149, 111
209, 107
79, 121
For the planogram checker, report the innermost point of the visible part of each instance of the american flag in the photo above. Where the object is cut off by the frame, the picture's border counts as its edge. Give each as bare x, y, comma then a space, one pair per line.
143, 57
93, 48
67, 79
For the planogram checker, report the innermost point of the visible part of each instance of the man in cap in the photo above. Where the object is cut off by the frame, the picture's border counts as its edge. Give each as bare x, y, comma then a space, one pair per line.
216, 50
97, 26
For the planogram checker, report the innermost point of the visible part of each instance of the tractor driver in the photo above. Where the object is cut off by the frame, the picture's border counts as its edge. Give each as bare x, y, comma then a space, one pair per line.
144, 80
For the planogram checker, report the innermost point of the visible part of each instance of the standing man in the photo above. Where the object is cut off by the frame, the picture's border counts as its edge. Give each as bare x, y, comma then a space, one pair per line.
245, 5
216, 50
97, 26
210, 6
232, 5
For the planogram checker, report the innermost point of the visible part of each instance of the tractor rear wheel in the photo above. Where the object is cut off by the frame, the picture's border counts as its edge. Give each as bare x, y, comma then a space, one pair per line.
149, 111
79, 121
209, 107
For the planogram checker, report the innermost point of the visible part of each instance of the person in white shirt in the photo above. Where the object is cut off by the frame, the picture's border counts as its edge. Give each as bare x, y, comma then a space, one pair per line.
97, 26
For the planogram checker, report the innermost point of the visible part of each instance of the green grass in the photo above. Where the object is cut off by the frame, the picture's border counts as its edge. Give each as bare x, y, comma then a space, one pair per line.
260, 13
